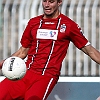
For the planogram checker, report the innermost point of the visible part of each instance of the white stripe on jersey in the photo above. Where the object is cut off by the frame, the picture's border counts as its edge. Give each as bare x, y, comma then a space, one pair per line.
47, 88
40, 24
49, 57
34, 54
31, 62
58, 23
51, 49
88, 43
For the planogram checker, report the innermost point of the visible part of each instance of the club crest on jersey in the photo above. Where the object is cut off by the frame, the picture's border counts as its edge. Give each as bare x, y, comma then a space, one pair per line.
63, 28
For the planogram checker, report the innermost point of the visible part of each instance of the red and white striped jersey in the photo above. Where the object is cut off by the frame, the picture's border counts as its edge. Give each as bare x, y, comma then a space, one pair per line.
48, 40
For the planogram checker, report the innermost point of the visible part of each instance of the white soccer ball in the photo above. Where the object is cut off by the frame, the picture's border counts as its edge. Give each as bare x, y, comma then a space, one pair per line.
14, 68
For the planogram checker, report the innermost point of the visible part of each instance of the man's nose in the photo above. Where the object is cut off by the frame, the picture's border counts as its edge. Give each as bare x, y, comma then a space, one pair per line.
47, 3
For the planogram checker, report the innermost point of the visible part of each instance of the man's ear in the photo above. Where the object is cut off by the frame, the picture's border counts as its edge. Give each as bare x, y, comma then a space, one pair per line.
59, 2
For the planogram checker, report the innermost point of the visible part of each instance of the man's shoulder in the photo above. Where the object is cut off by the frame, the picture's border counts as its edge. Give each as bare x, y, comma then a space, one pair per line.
36, 18
67, 19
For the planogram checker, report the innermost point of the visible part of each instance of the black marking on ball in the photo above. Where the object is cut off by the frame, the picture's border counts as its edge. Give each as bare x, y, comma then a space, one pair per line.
11, 64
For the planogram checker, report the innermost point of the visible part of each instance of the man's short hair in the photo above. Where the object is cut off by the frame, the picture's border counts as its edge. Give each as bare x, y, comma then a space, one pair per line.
58, 0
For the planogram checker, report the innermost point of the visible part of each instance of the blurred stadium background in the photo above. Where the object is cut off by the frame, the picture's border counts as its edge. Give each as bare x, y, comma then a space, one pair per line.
14, 15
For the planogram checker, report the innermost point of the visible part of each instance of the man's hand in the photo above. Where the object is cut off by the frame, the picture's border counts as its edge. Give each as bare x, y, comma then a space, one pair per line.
1, 63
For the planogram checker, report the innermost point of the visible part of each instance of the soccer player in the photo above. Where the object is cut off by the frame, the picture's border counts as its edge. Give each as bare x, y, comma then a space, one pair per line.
45, 42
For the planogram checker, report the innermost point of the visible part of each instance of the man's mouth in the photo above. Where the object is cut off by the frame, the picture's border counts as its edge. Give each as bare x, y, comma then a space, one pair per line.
46, 9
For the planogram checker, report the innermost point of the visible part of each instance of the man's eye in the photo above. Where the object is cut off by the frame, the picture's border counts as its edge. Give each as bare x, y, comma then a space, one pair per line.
51, 1
44, 0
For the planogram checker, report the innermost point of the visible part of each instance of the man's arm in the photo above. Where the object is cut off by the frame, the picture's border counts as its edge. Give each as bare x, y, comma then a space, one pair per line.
22, 53
93, 53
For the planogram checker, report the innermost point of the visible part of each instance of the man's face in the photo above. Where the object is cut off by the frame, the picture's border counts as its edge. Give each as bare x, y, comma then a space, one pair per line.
50, 7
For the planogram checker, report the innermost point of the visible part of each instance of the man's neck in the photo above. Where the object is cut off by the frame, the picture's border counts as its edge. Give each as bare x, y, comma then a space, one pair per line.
52, 16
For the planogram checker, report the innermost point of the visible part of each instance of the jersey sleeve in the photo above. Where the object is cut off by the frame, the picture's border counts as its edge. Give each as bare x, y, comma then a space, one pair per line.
26, 39
77, 36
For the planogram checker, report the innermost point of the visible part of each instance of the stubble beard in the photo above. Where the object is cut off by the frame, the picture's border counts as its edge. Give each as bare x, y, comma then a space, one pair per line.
51, 15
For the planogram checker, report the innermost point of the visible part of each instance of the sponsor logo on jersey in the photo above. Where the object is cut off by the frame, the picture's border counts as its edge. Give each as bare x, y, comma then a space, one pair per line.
49, 23
47, 34
63, 28
52, 33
